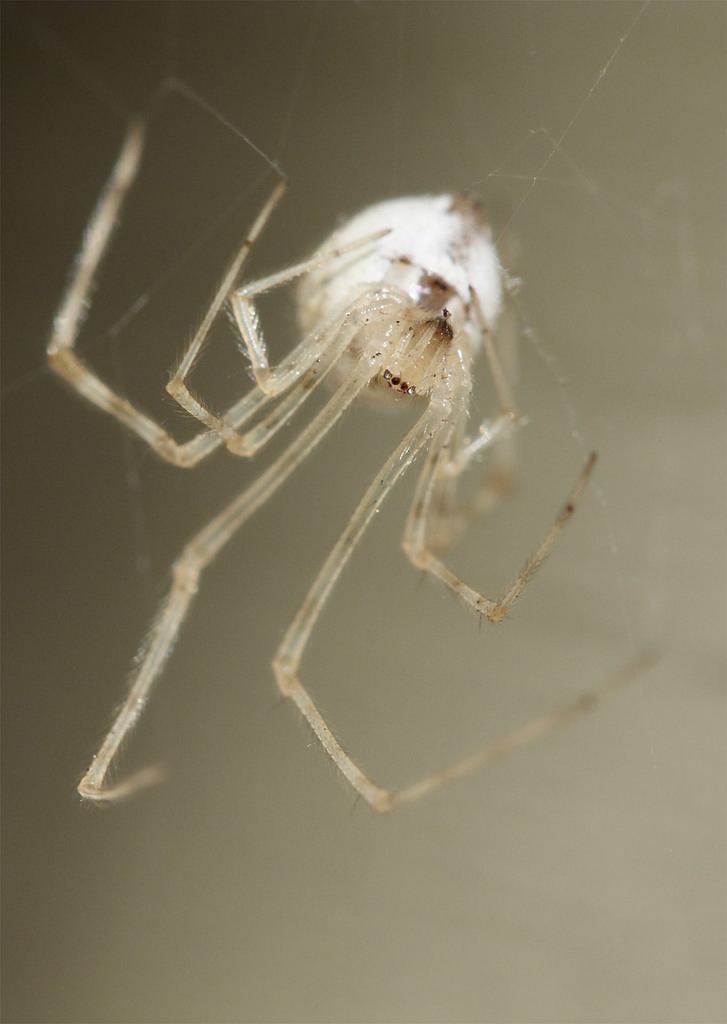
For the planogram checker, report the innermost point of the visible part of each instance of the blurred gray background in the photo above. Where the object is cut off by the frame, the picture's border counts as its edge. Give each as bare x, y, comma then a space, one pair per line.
583, 879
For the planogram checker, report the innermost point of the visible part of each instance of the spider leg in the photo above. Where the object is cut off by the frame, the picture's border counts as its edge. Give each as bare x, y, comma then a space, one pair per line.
196, 556
415, 544
449, 519
452, 519
418, 548
535, 729
273, 380
290, 653
500, 378
62, 355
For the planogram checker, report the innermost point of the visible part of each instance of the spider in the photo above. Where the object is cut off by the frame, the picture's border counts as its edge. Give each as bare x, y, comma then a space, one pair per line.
394, 307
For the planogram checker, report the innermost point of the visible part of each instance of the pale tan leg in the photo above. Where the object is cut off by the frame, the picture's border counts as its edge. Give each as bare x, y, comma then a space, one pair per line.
508, 414
501, 375
451, 520
415, 535
287, 661
187, 570
62, 356
525, 734
273, 380
418, 550
448, 518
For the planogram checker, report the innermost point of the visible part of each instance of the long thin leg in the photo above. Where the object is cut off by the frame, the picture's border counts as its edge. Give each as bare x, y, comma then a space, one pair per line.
448, 518
287, 661
187, 570
453, 519
500, 378
419, 552
62, 355
536, 729
273, 380
508, 414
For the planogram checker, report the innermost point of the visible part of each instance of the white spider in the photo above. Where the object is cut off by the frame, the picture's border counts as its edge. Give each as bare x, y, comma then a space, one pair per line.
394, 306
